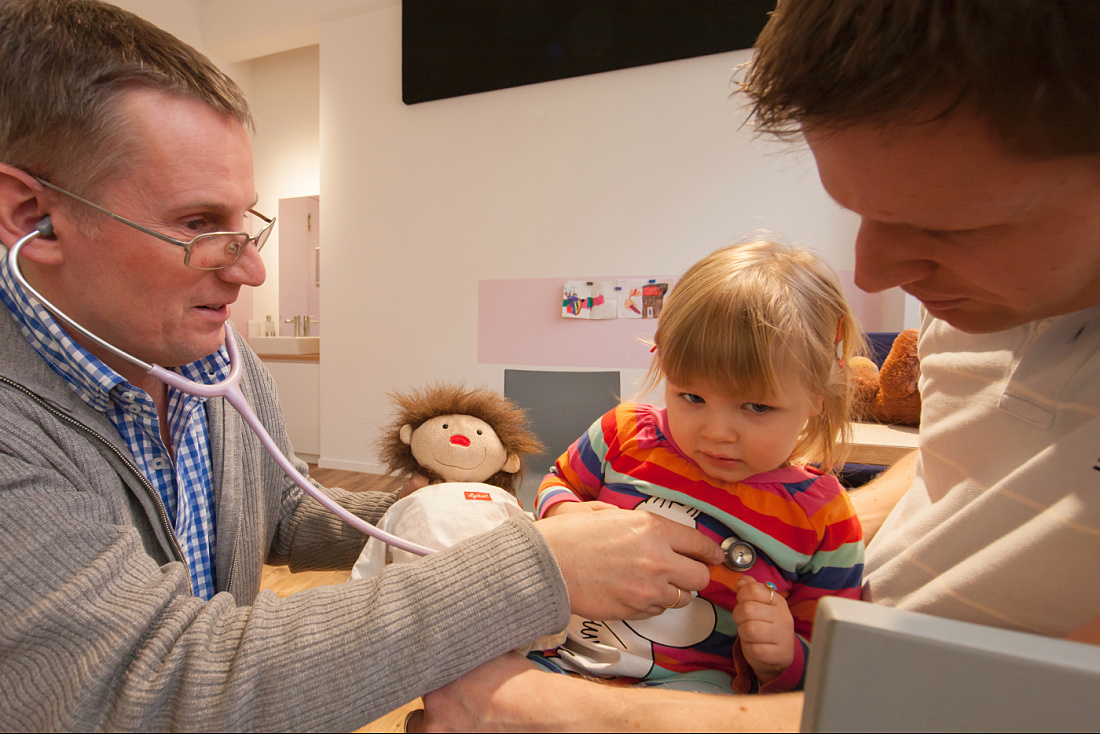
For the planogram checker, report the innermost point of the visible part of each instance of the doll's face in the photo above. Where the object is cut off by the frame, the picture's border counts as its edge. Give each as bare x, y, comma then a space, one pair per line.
459, 448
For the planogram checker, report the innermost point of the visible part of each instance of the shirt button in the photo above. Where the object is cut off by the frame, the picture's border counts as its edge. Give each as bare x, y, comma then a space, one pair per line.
134, 408
158, 463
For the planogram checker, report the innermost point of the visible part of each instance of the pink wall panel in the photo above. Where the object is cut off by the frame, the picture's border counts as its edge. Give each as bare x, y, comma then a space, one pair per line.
520, 323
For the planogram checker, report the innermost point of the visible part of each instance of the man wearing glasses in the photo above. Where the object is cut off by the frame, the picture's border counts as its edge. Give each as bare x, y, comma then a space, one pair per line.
134, 518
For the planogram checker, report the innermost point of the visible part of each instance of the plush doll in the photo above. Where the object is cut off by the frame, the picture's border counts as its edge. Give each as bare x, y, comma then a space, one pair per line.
450, 434
470, 445
889, 395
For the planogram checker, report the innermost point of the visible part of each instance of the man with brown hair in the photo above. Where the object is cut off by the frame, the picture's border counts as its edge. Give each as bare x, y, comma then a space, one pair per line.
966, 136
134, 517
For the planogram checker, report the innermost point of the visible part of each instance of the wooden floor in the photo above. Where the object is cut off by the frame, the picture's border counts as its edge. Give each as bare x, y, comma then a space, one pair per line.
278, 578
284, 583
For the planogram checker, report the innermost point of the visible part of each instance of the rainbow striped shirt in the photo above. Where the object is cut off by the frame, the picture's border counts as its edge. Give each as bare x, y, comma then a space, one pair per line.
804, 528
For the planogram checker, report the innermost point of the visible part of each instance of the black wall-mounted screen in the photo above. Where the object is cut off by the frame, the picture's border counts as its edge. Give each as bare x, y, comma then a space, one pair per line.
455, 47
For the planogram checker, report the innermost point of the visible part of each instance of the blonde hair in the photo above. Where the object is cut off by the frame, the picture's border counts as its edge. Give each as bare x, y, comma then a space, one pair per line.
749, 314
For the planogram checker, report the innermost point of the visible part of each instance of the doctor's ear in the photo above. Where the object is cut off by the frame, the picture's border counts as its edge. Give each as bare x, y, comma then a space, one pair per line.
22, 210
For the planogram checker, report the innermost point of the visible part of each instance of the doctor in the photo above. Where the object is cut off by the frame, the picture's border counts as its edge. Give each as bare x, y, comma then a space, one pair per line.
134, 519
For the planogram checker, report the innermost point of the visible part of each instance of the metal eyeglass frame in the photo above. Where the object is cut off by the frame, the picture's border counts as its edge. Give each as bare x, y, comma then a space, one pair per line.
258, 239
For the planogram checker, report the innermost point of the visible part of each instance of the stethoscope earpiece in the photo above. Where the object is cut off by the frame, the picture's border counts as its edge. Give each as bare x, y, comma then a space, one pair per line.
45, 226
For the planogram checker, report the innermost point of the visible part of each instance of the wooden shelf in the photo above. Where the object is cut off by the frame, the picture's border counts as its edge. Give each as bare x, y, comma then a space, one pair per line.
307, 358
877, 443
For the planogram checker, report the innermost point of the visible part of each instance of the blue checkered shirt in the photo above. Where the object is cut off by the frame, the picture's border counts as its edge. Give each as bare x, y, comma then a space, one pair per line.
184, 485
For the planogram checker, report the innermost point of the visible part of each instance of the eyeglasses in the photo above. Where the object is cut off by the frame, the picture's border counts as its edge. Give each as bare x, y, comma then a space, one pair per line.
210, 251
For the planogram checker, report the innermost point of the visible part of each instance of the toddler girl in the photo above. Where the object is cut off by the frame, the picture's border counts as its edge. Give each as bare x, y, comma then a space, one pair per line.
752, 346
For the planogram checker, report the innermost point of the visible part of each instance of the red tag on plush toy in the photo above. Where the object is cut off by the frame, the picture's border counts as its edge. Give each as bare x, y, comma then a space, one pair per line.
479, 496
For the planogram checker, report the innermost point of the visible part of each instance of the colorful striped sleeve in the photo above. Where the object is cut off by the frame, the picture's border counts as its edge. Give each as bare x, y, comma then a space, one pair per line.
834, 569
578, 474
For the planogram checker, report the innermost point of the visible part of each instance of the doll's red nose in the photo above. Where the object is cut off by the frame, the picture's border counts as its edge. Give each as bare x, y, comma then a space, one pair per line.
460, 440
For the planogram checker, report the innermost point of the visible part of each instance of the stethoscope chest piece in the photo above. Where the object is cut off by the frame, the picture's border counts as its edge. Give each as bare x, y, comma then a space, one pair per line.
739, 555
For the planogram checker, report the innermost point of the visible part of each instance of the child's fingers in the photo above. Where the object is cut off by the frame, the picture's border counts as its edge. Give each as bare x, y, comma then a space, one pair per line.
770, 654
757, 602
752, 590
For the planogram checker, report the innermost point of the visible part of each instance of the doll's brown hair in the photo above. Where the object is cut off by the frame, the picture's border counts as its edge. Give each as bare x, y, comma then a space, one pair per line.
417, 406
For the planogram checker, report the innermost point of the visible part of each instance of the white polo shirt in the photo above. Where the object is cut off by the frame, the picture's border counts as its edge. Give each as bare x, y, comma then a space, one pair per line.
1002, 524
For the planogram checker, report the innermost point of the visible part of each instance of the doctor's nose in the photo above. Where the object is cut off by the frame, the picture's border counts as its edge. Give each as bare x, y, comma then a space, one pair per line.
247, 270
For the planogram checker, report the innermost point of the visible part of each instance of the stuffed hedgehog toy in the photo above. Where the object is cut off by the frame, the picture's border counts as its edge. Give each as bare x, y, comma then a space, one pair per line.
470, 445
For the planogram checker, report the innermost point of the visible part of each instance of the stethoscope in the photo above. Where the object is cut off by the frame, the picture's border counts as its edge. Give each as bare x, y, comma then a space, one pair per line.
229, 388
738, 555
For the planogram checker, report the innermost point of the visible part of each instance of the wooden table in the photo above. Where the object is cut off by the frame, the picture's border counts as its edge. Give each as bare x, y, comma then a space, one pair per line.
877, 443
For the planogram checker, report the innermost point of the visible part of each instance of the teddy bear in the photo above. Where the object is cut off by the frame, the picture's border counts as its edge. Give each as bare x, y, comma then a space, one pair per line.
889, 395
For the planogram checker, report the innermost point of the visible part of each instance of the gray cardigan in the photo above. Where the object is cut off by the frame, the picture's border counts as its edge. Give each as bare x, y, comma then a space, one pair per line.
98, 625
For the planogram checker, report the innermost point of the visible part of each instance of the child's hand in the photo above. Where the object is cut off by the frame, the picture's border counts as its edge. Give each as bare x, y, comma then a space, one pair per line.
765, 627
563, 507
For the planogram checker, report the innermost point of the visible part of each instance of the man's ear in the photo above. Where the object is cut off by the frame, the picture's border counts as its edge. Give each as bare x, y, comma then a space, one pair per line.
23, 205
406, 434
511, 464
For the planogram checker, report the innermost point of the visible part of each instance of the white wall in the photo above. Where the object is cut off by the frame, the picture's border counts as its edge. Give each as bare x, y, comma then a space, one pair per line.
631, 172
184, 19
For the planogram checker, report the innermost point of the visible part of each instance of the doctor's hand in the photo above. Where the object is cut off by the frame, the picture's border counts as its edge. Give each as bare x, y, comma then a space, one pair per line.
765, 629
619, 564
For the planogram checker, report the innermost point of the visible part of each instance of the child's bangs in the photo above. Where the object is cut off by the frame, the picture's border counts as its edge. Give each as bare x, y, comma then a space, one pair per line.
741, 354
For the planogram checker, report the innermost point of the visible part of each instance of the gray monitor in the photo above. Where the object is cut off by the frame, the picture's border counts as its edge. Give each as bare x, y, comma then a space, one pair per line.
878, 669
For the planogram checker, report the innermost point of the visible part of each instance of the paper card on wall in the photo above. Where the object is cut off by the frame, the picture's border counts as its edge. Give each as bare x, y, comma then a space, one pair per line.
574, 299
604, 303
629, 298
653, 299
588, 299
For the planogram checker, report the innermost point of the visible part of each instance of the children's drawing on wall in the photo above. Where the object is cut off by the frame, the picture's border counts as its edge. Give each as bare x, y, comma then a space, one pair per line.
653, 298
604, 299
574, 299
588, 299
630, 298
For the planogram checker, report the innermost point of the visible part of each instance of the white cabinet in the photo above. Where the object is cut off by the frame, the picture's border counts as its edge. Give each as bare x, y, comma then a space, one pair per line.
299, 384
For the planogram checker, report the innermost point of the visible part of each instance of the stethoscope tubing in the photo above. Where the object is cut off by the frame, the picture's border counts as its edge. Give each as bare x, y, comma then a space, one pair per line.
229, 388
